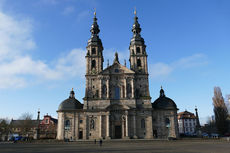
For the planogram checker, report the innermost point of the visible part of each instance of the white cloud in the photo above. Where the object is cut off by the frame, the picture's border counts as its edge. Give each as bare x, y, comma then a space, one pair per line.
159, 70
68, 10
19, 69
16, 36
49, 2
72, 64
83, 15
191, 61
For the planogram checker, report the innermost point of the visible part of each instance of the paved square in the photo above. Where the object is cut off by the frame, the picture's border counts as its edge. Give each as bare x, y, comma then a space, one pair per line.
179, 146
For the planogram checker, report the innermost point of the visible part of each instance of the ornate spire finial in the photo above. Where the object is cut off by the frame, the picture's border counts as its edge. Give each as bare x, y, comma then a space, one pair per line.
94, 12
125, 62
135, 11
72, 94
116, 59
136, 29
107, 63
162, 92
94, 28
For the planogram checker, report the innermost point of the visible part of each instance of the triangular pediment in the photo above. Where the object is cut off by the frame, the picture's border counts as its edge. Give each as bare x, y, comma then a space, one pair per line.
117, 68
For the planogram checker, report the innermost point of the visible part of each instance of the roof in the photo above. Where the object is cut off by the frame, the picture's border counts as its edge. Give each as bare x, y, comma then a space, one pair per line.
51, 118
186, 115
18, 123
117, 66
70, 104
164, 102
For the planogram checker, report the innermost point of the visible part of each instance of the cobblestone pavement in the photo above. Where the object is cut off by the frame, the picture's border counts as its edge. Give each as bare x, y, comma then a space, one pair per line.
179, 146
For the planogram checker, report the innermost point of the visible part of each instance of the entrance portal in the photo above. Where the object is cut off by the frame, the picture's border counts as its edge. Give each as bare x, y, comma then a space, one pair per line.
80, 135
118, 132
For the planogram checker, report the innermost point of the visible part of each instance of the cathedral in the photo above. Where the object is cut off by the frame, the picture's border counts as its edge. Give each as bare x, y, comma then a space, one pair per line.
117, 102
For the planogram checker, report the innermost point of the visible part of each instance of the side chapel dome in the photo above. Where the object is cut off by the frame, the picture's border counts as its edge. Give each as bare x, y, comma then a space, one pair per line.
71, 103
164, 102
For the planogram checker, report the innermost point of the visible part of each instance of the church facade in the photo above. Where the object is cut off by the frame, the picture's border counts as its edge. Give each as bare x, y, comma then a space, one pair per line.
117, 102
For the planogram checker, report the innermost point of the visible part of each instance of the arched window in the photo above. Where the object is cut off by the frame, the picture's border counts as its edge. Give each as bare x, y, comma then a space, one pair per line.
138, 63
117, 92
129, 90
167, 122
142, 123
93, 64
104, 90
67, 124
93, 51
138, 50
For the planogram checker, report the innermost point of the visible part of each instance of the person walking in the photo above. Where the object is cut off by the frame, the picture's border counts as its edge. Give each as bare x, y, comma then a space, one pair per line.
100, 142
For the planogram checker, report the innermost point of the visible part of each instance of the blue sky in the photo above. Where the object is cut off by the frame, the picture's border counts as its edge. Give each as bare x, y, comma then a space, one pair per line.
42, 49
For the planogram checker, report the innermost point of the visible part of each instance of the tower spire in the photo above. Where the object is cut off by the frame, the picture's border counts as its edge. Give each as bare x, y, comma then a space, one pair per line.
197, 119
94, 55
138, 56
72, 94
94, 28
116, 59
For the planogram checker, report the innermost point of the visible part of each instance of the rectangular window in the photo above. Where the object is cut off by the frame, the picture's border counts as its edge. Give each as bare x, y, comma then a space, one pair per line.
93, 51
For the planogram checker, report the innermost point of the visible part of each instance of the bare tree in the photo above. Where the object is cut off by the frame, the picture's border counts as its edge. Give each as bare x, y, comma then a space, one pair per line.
220, 111
4, 128
26, 123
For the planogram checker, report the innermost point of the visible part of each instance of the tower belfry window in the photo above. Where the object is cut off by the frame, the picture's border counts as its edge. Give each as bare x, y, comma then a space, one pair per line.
138, 63
138, 50
93, 51
93, 64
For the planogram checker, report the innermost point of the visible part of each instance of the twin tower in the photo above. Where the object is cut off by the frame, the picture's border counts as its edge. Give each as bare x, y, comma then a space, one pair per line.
138, 55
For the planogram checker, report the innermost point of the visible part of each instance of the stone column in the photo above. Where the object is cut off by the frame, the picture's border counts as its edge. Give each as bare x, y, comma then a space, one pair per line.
107, 127
146, 67
86, 129
122, 96
134, 127
132, 84
77, 126
74, 126
100, 88
60, 129
63, 124
126, 126
100, 119
148, 128
107, 84
123, 128
125, 87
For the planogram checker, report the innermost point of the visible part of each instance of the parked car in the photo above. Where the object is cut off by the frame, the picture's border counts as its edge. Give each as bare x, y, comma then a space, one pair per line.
214, 135
18, 138
205, 135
